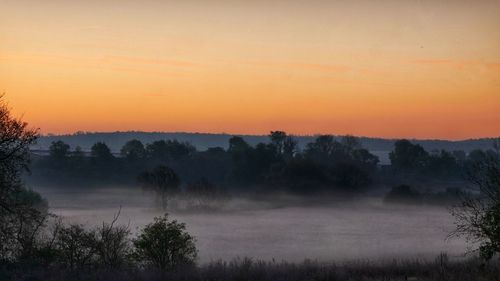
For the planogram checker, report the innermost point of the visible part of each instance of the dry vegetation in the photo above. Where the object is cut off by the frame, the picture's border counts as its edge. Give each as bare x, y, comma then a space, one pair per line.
441, 269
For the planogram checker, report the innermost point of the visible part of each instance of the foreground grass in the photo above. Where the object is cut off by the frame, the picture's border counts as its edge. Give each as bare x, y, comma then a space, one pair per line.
246, 269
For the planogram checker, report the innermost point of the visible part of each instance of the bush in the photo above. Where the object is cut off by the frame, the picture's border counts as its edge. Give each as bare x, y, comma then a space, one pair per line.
165, 245
113, 247
75, 246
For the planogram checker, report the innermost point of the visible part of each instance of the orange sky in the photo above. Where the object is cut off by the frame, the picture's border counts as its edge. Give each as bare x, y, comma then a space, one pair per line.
395, 68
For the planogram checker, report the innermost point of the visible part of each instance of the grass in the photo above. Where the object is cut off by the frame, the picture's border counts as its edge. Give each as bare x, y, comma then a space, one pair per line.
245, 269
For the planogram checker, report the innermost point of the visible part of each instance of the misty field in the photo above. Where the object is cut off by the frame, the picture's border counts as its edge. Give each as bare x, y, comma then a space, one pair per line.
285, 228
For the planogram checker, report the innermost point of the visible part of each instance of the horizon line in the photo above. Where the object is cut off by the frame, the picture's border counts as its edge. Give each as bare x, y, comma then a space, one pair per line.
263, 135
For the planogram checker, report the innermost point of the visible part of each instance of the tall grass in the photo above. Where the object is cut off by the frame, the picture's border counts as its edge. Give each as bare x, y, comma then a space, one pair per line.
245, 269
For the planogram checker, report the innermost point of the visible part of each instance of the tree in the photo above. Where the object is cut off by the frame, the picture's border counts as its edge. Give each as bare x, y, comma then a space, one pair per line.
289, 148
157, 150
20, 229
407, 156
162, 180
58, 150
350, 144
178, 150
169, 150
364, 157
476, 155
328, 151
22, 212
165, 244
322, 145
133, 150
442, 163
277, 140
303, 175
237, 145
478, 217
460, 156
350, 176
101, 152
15, 139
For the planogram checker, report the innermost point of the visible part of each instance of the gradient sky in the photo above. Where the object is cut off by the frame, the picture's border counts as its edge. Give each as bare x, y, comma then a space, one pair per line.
395, 68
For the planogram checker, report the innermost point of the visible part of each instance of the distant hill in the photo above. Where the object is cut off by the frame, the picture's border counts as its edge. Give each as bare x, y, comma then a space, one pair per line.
202, 141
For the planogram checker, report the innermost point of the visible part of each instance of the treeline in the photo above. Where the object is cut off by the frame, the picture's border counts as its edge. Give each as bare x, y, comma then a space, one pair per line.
412, 159
326, 164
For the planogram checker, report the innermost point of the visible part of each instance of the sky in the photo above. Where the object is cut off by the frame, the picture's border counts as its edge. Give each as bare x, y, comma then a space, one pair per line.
394, 68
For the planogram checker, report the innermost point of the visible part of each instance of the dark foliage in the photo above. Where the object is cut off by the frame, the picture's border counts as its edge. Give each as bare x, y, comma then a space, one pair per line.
326, 164
478, 217
165, 245
22, 212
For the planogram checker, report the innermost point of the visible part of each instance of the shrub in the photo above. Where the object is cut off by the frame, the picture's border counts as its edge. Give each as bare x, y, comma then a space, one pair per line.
165, 245
113, 245
76, 246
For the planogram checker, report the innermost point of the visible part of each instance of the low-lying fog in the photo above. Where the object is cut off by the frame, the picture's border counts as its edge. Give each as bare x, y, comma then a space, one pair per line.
365, 229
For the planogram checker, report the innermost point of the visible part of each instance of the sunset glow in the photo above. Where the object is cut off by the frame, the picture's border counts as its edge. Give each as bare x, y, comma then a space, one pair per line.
419, 69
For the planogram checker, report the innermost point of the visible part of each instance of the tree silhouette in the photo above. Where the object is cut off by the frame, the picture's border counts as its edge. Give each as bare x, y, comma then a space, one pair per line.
22, 212
277, 140
289, 148
163, 180
101, 152
133, 150
169, 150
322, 149
350, 143
237, 145
59, 150
408, 156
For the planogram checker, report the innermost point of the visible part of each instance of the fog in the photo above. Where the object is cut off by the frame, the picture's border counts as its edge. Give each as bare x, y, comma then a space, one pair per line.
336, 231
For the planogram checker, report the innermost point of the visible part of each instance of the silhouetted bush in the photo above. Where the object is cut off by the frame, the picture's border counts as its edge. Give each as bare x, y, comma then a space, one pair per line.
75, 246
113, 245
165, 244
